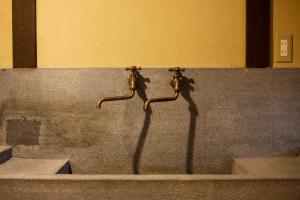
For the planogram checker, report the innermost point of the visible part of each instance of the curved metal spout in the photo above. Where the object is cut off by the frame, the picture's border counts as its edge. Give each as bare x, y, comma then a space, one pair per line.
115, 98
163, 99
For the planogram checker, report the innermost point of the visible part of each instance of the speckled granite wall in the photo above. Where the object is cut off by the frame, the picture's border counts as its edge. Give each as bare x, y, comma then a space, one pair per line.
221, 114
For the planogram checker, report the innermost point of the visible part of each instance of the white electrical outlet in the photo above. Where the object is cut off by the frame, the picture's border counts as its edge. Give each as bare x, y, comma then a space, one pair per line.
283, 47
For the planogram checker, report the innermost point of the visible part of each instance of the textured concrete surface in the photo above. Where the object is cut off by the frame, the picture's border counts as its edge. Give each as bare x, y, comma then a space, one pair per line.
23, 166
220, 115
267, 166
5, 153
137, 187
22, 131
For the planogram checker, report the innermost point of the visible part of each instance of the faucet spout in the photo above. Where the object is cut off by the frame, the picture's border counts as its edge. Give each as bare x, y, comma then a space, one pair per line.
116, 98
163, 99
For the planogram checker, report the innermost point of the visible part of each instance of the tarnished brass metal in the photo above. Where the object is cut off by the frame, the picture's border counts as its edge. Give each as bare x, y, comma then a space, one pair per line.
175, 83
132, 86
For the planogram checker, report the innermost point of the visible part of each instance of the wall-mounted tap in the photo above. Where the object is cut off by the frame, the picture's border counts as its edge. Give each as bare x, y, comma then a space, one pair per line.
132, 86
175, 83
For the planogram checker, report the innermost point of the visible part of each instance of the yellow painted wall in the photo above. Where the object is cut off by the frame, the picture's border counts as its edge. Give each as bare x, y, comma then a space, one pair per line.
5, 34
286, 20
115, 33
151, 33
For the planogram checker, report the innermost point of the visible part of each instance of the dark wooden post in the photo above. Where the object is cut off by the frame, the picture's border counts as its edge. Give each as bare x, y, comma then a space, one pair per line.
24, 34
258, 33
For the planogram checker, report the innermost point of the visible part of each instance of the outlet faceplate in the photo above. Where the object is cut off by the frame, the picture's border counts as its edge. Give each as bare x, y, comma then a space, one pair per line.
285, 48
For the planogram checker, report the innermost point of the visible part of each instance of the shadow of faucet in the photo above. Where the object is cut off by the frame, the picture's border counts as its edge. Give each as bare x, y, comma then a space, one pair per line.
186, 94
141, 88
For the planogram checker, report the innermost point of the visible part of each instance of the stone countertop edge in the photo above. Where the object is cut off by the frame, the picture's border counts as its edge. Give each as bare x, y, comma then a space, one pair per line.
97, 177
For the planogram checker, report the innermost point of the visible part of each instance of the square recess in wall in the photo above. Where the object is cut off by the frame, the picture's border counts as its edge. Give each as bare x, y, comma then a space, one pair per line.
22, 132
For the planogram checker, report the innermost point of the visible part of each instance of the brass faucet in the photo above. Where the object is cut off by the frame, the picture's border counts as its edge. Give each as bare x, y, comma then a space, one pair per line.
132, 86
175, 83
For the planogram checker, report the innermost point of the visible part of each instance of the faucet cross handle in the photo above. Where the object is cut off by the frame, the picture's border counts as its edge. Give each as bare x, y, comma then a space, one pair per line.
176, 69
133, 69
